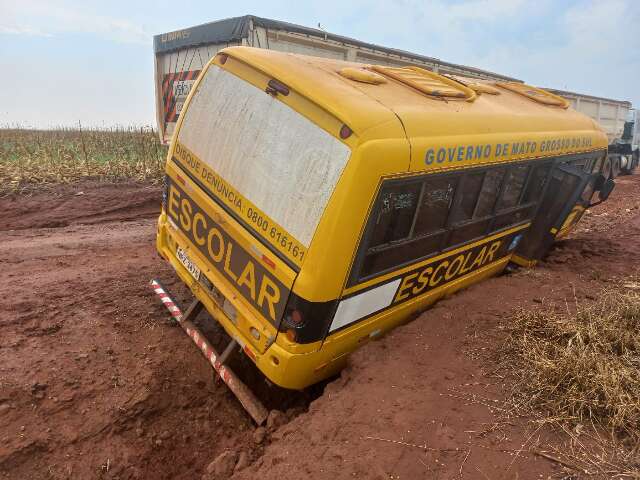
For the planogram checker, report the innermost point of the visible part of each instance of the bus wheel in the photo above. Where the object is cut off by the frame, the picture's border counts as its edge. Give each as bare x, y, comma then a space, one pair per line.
615, 167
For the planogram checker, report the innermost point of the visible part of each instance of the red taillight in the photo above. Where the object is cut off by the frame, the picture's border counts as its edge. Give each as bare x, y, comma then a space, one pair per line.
291, 335
305, 321
268, 261
345, 132
296, 317
223, 58
181, 180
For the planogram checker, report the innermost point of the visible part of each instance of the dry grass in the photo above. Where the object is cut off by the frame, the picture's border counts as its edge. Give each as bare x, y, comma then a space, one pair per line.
32, 158
579, 370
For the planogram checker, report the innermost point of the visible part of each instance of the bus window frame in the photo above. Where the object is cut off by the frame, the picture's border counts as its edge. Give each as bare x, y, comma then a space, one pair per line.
376, 210
495, 212
355, 277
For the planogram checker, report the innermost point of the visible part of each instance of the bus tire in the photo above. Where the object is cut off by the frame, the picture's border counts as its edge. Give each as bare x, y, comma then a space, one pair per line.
625, 165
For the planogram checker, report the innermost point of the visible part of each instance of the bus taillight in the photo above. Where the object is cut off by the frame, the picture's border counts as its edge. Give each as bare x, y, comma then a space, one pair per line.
305, 321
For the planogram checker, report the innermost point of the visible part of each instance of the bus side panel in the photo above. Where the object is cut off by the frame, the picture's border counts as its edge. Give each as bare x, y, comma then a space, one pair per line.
310, 368
337, 346
414, 289
335, 242
454, 152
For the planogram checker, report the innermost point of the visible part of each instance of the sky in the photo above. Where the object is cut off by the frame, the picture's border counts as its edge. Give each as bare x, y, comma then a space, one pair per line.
65, 62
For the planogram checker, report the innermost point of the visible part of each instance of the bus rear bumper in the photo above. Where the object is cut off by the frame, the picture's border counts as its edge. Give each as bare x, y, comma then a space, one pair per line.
291, 370
251, 404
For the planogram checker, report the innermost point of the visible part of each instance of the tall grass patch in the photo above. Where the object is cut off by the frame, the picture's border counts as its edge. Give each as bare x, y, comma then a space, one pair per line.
578, 368
582, 364
32, 158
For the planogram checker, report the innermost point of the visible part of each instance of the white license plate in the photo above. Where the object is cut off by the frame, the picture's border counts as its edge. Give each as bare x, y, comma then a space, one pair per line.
188, 264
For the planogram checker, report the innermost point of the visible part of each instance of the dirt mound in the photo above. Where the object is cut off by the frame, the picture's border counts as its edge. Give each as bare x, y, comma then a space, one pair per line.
83, 202
96, 383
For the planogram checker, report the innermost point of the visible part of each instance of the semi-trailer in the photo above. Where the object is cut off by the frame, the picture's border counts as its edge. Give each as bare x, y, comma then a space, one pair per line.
618, 119
181, 55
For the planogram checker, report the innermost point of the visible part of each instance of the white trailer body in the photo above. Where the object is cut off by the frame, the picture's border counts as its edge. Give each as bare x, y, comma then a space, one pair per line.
636, 134
610, 114
180, 56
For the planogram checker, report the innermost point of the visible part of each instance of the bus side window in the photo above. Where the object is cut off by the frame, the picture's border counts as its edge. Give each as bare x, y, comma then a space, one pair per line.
514, 184
415, 219
467, 197
395, 210
401, 234
434, 207
465, 223
520, 195
490, 191
536, 183
581, 163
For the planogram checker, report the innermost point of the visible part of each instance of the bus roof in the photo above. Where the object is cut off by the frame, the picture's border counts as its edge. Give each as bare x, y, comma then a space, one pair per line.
363, 106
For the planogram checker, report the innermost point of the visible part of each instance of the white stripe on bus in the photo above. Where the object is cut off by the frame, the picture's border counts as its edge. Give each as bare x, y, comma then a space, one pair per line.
354, 308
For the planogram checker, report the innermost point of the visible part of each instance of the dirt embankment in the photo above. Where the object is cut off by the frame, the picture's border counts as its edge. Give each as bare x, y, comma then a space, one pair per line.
84, 203
424, 401
95, 383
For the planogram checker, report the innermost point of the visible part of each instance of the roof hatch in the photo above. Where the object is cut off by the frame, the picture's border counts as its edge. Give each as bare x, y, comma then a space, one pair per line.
427, 82
536, 94
362, 75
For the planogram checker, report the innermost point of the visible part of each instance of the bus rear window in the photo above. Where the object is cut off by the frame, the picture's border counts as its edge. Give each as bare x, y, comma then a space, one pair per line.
278, 159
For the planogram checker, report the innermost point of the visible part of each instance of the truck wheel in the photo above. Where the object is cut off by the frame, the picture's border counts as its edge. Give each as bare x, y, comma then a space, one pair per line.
615, 167
635, 160
606, 168
625, 164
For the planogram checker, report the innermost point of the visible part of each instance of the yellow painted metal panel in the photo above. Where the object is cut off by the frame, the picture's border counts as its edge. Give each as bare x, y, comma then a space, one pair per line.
395, 132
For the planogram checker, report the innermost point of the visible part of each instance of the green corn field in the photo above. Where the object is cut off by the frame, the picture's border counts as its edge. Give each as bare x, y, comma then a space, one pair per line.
34, 158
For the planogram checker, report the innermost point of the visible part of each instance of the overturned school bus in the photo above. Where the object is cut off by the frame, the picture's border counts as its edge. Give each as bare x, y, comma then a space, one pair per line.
313, 204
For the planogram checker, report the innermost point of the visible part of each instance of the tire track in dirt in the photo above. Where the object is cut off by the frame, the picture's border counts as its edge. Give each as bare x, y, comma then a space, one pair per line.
86, 202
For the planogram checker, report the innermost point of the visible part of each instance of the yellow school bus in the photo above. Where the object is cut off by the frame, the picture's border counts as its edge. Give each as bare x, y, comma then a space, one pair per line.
314, 204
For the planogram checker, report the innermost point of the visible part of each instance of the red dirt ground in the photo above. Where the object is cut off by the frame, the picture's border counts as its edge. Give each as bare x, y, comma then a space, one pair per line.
96, 383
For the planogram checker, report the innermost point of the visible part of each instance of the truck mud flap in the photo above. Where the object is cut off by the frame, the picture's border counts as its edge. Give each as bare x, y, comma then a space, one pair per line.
251, 404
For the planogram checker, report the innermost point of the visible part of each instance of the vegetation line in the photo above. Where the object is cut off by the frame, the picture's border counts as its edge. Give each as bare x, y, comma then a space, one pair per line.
34, 158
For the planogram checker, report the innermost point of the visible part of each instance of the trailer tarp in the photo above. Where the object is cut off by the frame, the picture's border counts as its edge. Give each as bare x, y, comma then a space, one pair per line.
222, 31
236, 28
